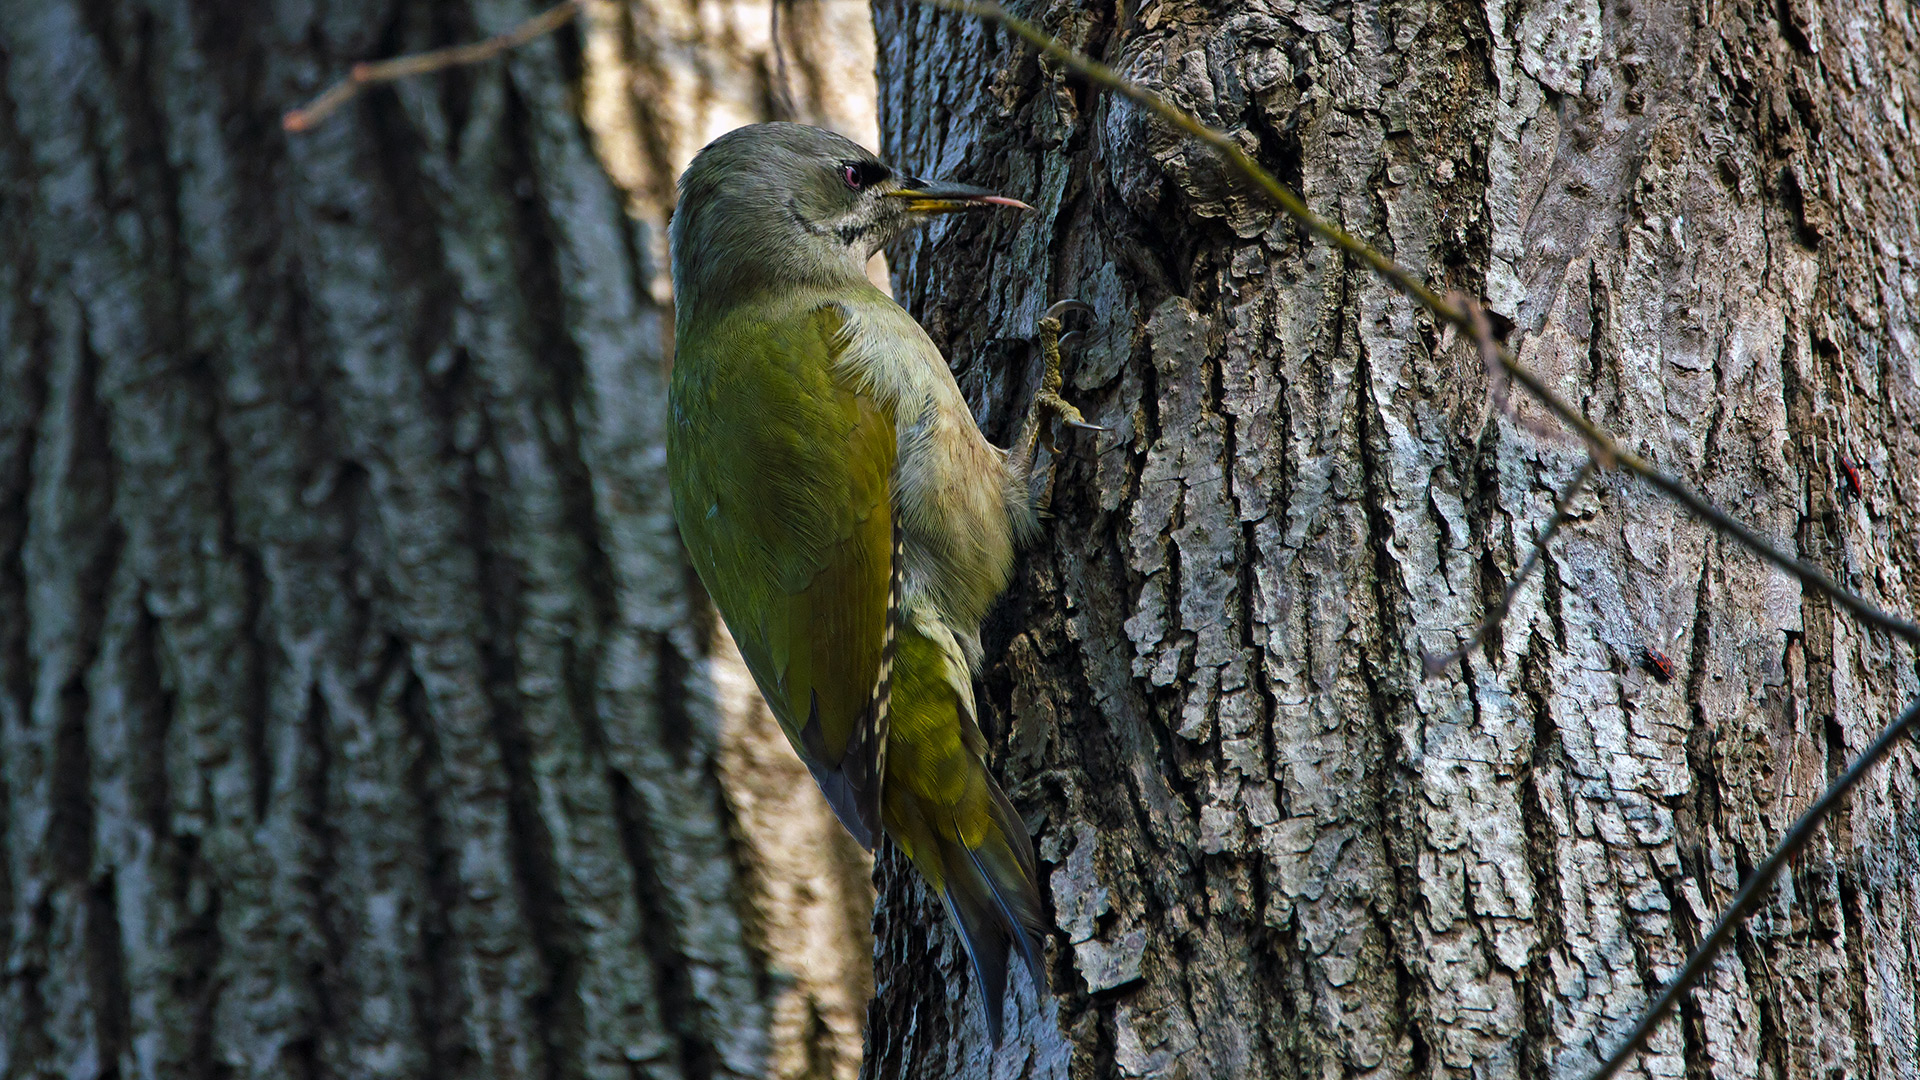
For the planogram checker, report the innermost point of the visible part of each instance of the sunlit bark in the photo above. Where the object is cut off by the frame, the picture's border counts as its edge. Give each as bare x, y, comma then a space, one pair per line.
1273, 848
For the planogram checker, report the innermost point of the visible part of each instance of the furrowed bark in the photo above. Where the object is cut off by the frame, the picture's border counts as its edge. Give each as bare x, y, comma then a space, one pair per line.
1273, 848
358, 713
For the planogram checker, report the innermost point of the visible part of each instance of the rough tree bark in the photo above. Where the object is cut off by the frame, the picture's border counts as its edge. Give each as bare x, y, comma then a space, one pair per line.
1273, 848
357, 715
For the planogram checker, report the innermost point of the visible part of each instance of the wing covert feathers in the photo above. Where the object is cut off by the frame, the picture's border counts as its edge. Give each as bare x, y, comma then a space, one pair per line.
782, 483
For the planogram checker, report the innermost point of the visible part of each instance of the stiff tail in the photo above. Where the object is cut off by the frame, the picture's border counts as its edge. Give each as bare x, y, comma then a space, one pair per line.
948, 816
991, 894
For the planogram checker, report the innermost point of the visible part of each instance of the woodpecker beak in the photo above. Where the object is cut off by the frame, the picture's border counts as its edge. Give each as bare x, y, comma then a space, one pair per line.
935, 197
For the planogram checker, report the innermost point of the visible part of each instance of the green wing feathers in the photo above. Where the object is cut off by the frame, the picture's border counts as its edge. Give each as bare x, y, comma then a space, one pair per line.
782, 472
781, 481
948, 816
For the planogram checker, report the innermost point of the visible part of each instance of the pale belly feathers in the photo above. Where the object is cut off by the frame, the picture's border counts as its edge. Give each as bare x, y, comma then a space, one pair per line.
960, 514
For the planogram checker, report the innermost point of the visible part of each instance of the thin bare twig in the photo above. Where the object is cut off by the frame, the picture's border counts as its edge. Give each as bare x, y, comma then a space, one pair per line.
1756, 887
1489, 348
1603, 446
370, 73
1562, 509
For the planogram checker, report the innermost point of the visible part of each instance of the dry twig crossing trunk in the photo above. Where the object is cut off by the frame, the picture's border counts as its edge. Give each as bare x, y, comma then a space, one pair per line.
1275, 850
357, 712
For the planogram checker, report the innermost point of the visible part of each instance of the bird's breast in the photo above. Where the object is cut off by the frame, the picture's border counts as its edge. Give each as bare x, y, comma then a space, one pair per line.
950, 489
950, 493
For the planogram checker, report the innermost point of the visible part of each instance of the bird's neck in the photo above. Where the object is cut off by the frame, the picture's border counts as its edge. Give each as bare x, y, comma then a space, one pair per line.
722, 261
707, 295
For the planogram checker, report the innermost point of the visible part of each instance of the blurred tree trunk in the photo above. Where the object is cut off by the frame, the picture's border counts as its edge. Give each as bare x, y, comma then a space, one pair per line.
358, 716
662, 79
1273, 848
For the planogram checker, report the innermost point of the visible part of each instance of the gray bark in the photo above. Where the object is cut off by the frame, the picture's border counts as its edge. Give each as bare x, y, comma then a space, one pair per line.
1273, 848
357, 712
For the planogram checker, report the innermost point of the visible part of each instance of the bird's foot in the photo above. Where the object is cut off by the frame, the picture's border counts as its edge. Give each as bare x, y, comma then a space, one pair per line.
1048, 405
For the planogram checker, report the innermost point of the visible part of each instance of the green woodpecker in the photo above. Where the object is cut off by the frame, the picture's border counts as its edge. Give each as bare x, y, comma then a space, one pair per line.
844, 511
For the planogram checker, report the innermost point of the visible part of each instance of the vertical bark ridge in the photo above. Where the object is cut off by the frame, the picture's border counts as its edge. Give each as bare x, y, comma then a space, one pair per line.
168, 862
107, 976
26, 342
1460, 893
502, 921
498, 574
639, 47
561, 368
71, 928
1543, 793
198, 984
554, 1003
680, 1014
438, 993
255, 675
317, 1051
1396, 729
141, 172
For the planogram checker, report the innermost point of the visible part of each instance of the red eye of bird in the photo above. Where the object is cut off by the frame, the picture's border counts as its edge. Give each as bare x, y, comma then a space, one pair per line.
861, 175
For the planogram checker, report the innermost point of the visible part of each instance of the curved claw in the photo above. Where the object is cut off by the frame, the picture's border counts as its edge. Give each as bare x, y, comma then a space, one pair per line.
1050, 402
1048, 405
1067, 339
1062, 307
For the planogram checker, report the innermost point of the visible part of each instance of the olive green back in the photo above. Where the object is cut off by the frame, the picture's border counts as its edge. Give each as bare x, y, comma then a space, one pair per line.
780, 475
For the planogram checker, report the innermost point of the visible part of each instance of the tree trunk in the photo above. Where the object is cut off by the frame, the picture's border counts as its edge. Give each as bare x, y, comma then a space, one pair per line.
662, 79
1273, 847
357, 711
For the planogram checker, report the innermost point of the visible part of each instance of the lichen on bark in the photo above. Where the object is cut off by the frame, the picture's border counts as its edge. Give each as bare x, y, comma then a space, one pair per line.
1274, 849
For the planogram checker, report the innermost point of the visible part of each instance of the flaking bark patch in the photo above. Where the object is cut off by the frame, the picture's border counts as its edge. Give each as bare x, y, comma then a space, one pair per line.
1332, 865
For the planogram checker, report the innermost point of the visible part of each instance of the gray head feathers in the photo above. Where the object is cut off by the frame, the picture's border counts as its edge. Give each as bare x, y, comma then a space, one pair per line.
778, 206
